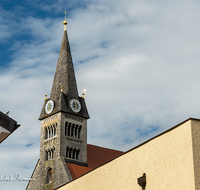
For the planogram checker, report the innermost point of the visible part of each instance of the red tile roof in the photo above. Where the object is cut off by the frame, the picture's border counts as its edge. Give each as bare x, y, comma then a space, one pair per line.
96, 156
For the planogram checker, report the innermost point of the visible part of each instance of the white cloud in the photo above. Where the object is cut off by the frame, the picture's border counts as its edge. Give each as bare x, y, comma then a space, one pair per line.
138, 60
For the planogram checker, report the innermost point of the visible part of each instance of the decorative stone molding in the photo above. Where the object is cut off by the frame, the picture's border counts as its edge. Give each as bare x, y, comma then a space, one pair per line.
71, 139
69, 160
74, 118
50, 141
48, 120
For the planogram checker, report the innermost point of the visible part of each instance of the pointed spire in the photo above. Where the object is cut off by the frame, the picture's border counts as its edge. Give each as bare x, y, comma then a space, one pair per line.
64, 86
64, 72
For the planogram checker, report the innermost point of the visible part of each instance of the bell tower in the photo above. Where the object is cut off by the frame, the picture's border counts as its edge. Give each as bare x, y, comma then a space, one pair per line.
63, 126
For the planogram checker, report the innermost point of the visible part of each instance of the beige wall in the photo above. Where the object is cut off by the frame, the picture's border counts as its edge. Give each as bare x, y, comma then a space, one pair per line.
196, 151
167, 161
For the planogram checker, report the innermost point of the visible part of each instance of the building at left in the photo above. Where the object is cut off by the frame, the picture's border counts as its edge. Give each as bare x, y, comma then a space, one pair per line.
7, 126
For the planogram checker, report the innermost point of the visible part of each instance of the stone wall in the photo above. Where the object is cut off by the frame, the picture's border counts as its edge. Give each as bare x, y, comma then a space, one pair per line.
60, 172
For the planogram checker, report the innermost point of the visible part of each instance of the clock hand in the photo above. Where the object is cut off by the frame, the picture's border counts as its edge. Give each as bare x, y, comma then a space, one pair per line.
48, 106
75, 105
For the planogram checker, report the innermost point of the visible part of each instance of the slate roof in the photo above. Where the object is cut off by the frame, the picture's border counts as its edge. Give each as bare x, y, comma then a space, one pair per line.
64, 74
96, 156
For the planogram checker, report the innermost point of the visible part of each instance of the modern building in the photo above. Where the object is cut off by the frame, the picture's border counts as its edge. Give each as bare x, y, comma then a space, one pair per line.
168, 161
7, 126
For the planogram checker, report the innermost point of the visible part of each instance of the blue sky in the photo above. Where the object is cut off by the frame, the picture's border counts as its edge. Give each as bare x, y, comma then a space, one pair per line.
138, 60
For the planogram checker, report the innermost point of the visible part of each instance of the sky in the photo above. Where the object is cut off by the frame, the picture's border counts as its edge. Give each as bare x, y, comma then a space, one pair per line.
138, 59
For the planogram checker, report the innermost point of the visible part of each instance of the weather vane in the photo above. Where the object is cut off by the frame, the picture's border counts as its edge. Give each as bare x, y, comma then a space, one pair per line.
65, 15
65, 22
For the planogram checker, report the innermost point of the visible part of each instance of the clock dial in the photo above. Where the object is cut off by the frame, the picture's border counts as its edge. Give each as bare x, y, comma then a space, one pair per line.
75, 105
49, 107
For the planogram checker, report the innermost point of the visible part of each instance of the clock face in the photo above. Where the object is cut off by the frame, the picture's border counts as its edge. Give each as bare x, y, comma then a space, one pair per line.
75, 105
49, 107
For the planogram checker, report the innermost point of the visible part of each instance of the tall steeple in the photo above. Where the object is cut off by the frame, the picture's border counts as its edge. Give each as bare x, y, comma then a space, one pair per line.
64, 72
65, 77
63, 126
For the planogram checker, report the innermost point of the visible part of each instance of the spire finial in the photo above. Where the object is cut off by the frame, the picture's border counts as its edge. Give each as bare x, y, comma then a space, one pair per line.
65, 22
84, 90
46, 97
61, 87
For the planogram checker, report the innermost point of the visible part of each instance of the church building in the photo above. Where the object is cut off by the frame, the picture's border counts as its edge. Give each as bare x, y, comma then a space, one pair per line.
64, 152
170, 160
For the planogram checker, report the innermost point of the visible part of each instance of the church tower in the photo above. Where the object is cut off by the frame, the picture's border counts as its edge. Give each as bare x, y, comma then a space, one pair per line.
63, 126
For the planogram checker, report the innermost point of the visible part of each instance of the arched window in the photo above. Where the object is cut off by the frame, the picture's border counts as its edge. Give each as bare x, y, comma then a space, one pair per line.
49, 175
66, 128
76, 132
52, 156
49, 131
49, 154
70, 153
46, 133
77, 154
67, 152
69, 129
79, 131
74, 154
46, 155
52, 131
54, 127
72, 130
54, 153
